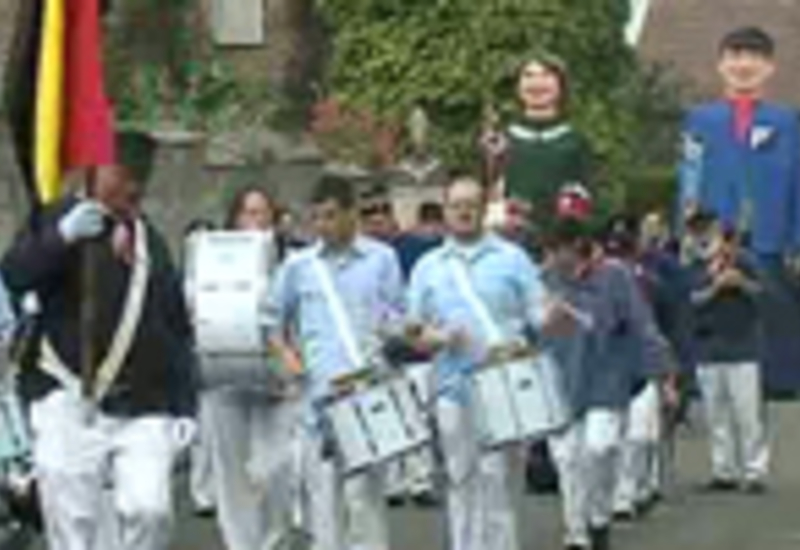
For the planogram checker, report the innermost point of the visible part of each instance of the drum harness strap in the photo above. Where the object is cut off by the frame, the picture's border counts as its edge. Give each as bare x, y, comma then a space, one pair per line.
123, 338
344, 330
341, 319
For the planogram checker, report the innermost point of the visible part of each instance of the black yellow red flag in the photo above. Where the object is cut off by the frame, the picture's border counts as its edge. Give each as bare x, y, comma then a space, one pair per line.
59, 113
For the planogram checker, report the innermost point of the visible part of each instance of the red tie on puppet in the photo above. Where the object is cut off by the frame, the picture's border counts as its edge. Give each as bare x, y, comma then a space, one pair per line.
743, 109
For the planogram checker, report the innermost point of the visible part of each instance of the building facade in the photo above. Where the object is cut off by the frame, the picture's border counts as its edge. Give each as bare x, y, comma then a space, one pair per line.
683, 34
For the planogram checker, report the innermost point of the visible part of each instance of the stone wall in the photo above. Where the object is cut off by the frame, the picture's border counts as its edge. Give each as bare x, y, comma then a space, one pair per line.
192, 179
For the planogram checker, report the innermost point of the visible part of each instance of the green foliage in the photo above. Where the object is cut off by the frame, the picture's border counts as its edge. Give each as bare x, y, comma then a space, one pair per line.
163, 70
455, 57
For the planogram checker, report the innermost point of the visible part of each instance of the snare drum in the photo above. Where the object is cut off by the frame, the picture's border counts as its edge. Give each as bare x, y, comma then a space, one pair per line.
376, 423
519, 400
422, 377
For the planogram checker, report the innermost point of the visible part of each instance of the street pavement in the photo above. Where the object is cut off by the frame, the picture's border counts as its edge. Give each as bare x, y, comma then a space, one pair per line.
689, 520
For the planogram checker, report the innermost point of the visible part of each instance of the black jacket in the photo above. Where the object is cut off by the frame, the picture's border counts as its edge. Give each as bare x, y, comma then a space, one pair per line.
159, 373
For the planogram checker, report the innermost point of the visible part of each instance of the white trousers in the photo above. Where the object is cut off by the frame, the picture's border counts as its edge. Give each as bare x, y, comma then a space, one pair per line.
252, 462
104, 485
639, 466
479, 504
586, 457
342, 513
735, 415
201, 482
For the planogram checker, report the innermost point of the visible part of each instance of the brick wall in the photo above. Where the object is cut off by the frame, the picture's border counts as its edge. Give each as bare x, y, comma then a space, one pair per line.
684, 34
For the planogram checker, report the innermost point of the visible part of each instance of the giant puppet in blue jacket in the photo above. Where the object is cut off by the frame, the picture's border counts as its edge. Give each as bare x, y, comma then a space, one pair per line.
741, 161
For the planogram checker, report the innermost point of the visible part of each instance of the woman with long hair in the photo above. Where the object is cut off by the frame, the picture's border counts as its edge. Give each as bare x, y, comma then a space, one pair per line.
252, 420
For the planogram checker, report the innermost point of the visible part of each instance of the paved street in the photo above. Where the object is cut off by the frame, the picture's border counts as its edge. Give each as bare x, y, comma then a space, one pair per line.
689, 521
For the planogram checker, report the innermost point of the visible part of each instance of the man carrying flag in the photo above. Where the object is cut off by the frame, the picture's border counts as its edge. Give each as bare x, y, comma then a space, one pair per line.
110, 379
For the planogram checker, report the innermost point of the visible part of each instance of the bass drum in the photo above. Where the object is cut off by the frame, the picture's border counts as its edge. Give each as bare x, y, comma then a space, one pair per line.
252, 372
227, 281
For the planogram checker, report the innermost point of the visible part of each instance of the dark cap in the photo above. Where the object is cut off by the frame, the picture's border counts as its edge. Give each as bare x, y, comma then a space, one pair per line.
136, 152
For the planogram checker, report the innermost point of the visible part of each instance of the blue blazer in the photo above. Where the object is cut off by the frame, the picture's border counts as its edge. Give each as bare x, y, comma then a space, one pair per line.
722, 173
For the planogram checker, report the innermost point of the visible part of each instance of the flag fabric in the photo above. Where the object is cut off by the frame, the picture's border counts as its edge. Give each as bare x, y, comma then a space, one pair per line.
59, 113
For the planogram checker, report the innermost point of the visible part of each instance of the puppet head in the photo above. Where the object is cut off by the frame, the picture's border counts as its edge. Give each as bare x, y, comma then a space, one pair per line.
746, 62
542, 85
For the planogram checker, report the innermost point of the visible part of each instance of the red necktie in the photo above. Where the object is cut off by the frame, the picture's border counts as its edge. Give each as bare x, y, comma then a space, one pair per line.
743, 108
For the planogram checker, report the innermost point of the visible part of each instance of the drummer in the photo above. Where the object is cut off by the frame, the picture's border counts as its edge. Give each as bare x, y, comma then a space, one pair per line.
479, 505
248, 424
339, 299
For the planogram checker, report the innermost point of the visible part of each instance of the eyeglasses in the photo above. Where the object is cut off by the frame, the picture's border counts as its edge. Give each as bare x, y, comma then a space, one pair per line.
379, 209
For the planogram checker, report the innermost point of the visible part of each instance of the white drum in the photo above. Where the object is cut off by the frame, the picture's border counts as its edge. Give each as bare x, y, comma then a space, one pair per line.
422, 377
520, 400
377, 424
227, 280
258, 373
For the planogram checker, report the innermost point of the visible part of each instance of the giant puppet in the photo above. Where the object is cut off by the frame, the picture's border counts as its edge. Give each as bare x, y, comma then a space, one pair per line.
741, 161
540, 157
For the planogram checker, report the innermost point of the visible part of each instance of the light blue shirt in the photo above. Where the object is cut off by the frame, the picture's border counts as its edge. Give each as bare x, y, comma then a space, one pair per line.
368, 281
8, 324
7, 317
504, 278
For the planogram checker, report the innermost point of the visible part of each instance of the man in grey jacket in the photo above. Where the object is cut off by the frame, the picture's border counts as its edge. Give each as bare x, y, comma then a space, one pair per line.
602, 368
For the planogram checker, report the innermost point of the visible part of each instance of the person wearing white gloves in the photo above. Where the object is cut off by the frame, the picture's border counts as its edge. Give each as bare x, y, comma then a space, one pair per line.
105, 441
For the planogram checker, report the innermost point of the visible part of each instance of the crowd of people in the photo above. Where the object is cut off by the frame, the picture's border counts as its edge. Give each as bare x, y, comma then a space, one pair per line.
609, 325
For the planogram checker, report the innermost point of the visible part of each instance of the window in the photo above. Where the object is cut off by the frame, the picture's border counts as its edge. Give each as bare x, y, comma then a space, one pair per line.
238, 22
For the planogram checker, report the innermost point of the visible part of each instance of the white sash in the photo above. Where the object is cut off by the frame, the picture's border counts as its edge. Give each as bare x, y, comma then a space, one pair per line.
122, 341
341, 320
476, 304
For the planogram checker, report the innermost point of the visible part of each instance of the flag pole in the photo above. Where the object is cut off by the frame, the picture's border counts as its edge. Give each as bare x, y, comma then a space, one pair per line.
492, 151
88, 309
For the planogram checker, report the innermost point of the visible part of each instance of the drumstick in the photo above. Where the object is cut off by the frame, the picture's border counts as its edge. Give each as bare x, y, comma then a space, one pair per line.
583, 318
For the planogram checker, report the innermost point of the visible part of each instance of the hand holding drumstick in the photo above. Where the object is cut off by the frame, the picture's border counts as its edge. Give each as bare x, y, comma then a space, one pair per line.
562, 319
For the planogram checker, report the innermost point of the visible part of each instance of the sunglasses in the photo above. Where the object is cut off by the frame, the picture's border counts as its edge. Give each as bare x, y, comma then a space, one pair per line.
380, 209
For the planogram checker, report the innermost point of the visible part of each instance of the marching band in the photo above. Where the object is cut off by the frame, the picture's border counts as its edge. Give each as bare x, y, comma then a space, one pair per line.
324, 375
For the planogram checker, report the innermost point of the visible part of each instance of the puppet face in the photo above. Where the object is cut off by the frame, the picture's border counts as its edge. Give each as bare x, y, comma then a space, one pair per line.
539, 87
745, 72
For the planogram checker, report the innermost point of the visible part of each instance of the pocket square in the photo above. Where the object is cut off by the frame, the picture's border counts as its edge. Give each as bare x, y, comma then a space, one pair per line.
761, 136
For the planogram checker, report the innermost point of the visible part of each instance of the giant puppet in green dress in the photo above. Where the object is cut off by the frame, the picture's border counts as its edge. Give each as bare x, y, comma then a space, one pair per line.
541, 155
